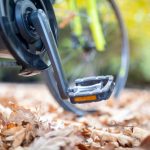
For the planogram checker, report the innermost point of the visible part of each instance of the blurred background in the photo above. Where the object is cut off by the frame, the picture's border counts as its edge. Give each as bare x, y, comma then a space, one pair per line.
136, 14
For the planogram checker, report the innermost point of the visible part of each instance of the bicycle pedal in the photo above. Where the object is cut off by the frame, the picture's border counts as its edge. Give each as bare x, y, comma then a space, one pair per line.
91, 89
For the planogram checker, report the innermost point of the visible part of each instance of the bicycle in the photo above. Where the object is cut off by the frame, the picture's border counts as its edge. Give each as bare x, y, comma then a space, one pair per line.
32, 41
78, 23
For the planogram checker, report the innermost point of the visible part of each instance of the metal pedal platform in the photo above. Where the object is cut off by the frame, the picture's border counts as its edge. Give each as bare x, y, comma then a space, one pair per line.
91, 89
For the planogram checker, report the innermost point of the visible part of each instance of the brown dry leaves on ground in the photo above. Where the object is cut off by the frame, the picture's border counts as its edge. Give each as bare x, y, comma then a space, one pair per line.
31, 120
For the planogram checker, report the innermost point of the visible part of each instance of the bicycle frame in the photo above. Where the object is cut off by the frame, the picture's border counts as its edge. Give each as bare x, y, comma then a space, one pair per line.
36, 25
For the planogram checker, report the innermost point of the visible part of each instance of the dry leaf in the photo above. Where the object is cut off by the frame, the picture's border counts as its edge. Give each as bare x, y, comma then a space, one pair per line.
146, 143
18, 138
140, 133
62, 132
82, 146
11, 131
21, 114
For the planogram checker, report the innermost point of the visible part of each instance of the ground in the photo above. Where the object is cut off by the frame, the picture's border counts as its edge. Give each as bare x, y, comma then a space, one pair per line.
30, 119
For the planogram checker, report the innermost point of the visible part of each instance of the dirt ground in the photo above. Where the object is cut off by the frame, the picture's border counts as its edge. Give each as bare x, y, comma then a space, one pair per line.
31, 120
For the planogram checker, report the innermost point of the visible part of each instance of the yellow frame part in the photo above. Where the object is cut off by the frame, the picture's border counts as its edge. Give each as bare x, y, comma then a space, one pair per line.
95, 26
94, 23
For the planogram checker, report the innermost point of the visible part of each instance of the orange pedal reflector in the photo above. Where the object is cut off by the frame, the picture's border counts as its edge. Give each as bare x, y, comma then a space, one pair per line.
84, 99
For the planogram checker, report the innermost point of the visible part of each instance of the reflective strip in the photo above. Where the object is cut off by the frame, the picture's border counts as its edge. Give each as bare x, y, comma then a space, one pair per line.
85, 98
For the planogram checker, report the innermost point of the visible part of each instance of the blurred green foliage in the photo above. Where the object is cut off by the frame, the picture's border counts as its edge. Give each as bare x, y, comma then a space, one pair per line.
136, 14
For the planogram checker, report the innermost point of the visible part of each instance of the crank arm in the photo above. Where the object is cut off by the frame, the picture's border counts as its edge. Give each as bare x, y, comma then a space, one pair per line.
42, 26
